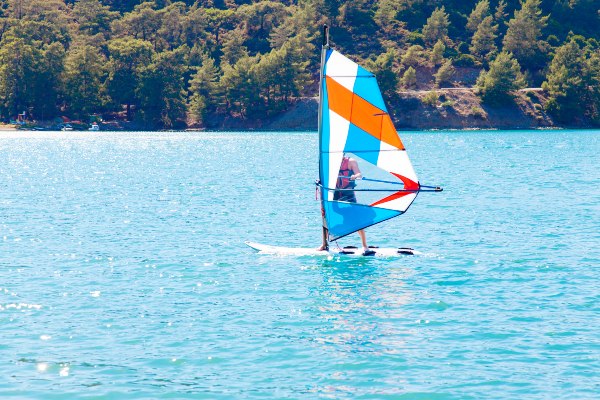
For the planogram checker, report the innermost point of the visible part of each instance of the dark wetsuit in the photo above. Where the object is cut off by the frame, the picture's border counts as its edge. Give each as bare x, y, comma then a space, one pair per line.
344, 182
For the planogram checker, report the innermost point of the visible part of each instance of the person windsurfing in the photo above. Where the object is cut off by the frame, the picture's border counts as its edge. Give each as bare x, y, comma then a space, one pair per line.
346, 182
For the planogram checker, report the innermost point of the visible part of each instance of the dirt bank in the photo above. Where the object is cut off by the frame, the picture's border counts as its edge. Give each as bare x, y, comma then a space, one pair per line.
463, 109
7, 127
448, 108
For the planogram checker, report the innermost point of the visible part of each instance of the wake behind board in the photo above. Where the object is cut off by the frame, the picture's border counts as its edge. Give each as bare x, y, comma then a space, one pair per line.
346, 251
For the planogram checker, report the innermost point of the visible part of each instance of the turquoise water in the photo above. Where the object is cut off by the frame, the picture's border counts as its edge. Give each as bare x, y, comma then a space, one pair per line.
123, 272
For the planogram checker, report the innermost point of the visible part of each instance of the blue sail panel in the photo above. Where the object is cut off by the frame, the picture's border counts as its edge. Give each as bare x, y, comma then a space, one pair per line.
366, 87
344, 218
359, 141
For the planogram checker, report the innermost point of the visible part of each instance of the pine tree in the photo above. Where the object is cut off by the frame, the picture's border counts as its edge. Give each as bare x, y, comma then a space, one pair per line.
436, 27
85, 72
233, 46
17, 66
241, 87
523, 37
383, 68
385, 16
503, 77
162, 90
500, 12
444, 74
413, 56
437, 53
409, 79
127, 57
204, 90
93, 18
483, 44
481, 10
593, 74
566, 83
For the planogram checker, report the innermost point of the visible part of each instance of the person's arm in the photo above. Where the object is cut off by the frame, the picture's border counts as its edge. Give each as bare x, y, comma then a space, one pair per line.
356, 174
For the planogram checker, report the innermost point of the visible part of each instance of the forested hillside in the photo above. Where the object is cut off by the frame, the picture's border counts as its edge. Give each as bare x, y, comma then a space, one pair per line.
172, 64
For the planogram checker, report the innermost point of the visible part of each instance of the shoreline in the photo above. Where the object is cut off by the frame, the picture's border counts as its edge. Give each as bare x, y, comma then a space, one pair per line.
251, 131
450, 109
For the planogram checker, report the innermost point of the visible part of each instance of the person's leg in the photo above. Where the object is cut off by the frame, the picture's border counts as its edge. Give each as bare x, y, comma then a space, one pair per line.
324, 245
363, 238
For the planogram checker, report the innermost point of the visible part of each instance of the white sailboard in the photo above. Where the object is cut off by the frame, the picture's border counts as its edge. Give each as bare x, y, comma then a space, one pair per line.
346, 251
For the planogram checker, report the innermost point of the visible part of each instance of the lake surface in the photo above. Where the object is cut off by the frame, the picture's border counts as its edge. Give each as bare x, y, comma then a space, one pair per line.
123, 272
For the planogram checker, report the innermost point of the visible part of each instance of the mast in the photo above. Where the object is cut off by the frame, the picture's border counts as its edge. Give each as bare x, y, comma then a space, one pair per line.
324, 49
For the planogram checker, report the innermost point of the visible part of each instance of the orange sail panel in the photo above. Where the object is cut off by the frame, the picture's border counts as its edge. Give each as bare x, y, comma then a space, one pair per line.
361, 113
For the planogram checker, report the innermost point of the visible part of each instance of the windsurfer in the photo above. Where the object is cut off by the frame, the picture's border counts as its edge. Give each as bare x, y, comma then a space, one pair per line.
349, 173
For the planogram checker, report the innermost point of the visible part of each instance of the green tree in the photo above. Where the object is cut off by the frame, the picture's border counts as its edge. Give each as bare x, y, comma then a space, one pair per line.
593, 74
127, 57
436, 27
503, 77
259, 20
204, 90
219, 21
444, 74
437, 53
294, 63
46, 81
386, 13
144, 23
18, 63
483, 44
384, 70
85, 69
567, 83
481, 10
330, 8
523, 37
299, 22
43, 21
93, 18
233, 46
29, 77
413, 56
195, 27
500, 12
241, 87
162, 90
409, 79
172, 28
268, 74
52, 11
281, 76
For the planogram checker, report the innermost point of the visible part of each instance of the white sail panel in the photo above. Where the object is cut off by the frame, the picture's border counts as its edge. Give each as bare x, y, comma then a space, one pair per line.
338, 134
342, 70
396, 161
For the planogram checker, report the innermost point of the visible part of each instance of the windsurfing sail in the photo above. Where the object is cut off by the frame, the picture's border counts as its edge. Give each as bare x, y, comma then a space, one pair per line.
354, 124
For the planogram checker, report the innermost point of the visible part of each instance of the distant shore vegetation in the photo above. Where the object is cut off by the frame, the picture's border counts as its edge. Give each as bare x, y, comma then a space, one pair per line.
174, 64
